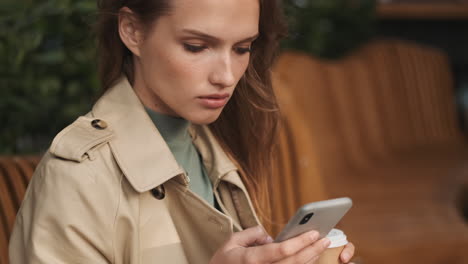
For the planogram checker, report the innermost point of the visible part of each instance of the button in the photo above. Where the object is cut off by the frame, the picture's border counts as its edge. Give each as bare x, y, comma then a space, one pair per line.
159, 192
99, 124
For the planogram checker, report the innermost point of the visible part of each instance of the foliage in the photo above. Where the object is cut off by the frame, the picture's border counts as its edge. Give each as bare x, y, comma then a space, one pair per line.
48, 71
329, 28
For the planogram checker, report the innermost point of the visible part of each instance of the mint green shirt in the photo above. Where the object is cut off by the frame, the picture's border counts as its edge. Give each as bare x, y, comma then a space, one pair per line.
174, 130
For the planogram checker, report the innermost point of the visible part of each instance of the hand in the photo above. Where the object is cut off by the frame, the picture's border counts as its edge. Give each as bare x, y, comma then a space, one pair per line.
253, 245
347, 253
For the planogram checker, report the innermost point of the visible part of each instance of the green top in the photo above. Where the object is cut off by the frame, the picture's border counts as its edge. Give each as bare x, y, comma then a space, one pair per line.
174, 130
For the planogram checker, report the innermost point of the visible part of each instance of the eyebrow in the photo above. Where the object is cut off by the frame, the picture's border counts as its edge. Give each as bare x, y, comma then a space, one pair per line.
215, 39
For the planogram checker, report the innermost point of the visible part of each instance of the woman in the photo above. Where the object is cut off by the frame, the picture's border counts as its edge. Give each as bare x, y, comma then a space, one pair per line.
156, 172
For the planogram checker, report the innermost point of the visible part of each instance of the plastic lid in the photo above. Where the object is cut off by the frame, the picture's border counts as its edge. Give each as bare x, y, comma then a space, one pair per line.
337, 238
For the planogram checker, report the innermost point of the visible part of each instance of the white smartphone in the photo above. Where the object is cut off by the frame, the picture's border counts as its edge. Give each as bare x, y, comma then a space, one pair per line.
320, 216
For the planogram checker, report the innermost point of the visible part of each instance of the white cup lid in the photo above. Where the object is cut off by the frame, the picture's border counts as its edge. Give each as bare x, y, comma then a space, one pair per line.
337, 238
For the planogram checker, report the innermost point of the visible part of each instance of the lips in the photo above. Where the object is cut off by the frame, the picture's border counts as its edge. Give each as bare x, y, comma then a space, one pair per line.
214, 101
216, 96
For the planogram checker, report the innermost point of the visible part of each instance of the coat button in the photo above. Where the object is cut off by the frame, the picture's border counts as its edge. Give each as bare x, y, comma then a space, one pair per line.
99, 124
159, 192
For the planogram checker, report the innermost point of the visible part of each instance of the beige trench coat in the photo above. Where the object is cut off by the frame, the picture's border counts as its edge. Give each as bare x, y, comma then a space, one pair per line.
91, 200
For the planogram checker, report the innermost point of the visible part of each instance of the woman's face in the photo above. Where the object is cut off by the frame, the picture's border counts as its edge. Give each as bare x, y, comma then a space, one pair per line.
190, 61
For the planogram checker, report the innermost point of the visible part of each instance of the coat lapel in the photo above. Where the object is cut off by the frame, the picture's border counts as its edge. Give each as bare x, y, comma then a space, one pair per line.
138, 147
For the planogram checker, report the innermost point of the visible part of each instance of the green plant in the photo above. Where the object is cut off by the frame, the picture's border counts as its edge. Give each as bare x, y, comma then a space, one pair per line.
48, 72
329, 28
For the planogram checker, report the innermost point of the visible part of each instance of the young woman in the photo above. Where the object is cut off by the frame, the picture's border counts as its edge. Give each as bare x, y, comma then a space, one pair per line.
160, 170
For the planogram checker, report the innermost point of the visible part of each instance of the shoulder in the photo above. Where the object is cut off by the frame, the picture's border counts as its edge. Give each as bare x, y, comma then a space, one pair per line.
71, 202
79, 140
81, 148
79, 159
71, 188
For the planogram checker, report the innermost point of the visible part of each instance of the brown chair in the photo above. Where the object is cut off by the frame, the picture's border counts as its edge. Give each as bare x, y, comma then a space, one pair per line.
378, 126
15, 173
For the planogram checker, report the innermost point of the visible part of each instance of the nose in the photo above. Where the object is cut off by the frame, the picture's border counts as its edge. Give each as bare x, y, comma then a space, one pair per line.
222, 74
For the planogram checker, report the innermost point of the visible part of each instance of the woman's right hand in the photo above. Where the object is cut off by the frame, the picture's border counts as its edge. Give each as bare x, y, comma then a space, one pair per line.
253, 245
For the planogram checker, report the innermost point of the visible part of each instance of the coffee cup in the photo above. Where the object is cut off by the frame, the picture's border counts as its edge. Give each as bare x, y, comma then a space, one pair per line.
332, 254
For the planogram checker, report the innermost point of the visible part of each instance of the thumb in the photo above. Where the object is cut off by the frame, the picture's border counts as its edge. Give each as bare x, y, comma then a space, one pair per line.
251, 237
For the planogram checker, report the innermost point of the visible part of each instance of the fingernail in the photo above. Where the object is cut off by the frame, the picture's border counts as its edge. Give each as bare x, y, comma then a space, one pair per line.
345, 257
269, 239
314, 235
326, 242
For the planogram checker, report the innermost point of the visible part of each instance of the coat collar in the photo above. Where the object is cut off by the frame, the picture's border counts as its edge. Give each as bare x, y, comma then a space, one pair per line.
139, 148
216, 161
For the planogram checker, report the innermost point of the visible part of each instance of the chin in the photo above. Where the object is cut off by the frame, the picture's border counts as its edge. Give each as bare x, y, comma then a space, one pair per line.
205, 118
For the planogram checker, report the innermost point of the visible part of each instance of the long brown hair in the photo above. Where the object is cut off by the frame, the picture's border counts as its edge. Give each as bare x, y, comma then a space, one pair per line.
247, 127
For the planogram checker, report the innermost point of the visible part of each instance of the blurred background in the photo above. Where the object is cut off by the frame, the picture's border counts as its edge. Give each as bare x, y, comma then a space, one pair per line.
374, 101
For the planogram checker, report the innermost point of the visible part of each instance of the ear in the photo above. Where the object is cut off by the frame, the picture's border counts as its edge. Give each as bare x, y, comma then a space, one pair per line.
130, 30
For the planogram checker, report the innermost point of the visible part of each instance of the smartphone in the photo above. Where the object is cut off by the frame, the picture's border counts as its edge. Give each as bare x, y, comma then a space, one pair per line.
320, 216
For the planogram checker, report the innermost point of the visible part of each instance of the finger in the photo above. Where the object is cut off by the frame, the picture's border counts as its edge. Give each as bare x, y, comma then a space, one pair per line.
277, 251
267, 240
347, 253
308, 254
249, 237
312, 261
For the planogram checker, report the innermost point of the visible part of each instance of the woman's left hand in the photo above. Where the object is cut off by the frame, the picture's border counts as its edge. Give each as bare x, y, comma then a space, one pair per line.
347, 253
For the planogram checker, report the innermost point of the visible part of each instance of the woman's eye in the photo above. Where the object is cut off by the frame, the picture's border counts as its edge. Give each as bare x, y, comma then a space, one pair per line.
242, 50
193, 48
